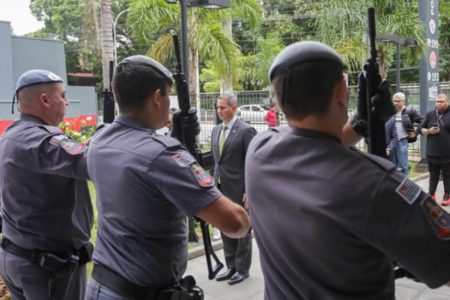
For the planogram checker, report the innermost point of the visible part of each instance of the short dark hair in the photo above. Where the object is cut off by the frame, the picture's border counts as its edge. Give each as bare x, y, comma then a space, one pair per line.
306, 88
134, 82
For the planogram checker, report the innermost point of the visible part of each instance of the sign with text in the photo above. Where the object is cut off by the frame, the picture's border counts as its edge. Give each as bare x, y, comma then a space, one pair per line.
429, 67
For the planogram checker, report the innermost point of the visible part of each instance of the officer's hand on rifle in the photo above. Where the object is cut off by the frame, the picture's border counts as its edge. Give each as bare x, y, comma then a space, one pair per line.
359, 119
189, 123
382, 106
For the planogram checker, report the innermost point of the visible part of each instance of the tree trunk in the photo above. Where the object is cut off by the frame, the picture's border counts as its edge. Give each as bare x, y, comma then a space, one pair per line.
226, 84
192, 64
106, 40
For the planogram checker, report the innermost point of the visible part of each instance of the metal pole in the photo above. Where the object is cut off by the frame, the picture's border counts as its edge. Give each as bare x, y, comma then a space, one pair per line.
398, 67
115, 33
184, 40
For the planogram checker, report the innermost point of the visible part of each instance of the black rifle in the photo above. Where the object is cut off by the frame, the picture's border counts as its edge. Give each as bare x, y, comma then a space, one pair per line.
108, 98
377, 139
189, 141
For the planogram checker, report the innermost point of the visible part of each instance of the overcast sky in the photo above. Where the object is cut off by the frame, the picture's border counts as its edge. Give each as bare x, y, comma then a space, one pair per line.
18, 13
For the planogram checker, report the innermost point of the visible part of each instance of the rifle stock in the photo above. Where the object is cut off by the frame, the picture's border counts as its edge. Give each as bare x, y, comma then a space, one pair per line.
178, 132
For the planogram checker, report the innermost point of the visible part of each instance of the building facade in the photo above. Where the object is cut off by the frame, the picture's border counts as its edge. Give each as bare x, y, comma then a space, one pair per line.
19, 54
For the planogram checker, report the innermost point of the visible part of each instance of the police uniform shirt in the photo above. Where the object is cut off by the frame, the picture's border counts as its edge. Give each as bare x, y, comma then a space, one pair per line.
39, 198
146, 185
329, 220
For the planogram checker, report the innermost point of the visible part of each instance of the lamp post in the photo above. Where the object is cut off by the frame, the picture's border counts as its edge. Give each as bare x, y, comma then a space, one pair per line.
115, 33
408, 42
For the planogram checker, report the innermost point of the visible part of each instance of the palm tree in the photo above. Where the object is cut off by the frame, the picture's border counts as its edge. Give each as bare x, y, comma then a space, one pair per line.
343, 25
208, 39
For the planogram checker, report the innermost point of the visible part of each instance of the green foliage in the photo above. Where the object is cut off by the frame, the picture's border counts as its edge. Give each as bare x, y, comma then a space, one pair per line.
260, 29
76, 23
211, 79
150, 20
63, 20
343, 25
444, 40
256, 78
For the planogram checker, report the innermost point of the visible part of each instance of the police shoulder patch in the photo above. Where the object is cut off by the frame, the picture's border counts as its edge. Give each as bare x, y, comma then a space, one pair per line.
183, 158
202, 177
72, 147
408, 190
57, 139
438, 218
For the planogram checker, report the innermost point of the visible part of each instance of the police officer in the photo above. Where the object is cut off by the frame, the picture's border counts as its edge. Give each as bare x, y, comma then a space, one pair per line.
46, 217
329, 219
146, 186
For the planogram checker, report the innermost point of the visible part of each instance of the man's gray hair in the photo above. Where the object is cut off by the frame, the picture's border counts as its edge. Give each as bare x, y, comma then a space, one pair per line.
399, 95
231, 98
443, 96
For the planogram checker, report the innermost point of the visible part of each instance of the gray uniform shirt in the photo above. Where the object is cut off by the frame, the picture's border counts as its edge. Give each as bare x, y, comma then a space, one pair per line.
40, 205
146, 185
329, 220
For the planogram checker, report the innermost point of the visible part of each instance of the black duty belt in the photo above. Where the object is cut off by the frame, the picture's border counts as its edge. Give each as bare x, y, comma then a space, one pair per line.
52, 261
121, 285
30, 255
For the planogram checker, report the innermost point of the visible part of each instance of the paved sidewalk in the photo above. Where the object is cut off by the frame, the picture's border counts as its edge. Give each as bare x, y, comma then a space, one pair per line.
253, 287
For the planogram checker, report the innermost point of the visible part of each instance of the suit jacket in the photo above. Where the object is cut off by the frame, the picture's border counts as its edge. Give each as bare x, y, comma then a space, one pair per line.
230, 165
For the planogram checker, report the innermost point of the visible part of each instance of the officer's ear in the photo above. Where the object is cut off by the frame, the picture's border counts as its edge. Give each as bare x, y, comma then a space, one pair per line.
44, 100
157, 98
340, 92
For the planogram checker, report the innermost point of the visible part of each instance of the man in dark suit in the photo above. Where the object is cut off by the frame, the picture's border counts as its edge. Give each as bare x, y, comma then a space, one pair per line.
229, 143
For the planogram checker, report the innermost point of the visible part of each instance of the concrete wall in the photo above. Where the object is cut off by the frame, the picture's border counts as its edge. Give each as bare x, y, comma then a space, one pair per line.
6, 62
20, 54
81, 100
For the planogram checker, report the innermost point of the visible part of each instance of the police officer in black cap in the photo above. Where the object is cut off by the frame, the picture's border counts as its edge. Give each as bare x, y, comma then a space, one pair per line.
46, 222
329, 219
152, 184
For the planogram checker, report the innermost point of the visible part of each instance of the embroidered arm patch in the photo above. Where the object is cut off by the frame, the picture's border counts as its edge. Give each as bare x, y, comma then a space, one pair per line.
184, 159
70, 146
408, 190
438, 218
56, 139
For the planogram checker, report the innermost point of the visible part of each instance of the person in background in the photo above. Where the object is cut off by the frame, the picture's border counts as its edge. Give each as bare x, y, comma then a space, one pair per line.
146, 186
229, 143
322, 212
436, 127
46, 209
271, 116
169, 124
401, 129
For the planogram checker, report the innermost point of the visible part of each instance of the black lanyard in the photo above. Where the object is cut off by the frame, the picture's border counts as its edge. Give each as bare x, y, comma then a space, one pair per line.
439, 121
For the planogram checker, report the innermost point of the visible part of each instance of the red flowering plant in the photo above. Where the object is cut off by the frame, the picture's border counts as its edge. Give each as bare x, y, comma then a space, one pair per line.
80, 128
